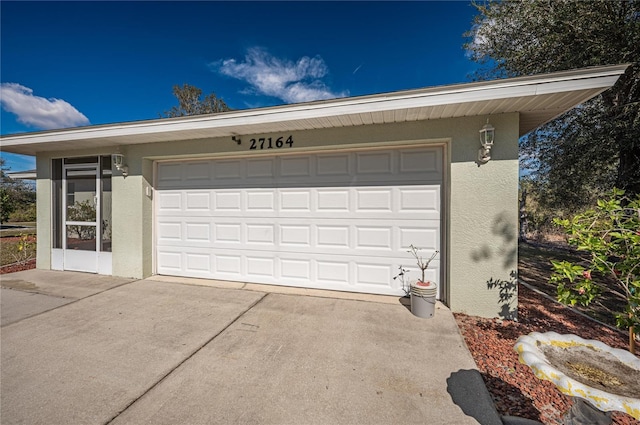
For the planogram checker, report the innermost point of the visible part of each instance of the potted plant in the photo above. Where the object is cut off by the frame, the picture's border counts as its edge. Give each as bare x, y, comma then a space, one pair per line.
423, 292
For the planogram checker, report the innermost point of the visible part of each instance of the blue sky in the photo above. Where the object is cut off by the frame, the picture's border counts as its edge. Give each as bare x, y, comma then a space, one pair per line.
67, 64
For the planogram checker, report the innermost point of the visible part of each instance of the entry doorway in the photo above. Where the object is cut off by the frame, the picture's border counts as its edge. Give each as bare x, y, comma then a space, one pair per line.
82, 214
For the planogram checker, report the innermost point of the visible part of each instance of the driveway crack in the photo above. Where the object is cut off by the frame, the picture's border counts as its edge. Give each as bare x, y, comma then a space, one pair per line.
187, 358
72, 300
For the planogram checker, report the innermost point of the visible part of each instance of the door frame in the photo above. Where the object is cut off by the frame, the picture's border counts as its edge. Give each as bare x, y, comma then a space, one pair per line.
81, 260
63, 258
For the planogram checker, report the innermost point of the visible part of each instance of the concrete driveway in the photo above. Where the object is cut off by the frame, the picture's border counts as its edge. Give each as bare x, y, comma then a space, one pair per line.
176, 351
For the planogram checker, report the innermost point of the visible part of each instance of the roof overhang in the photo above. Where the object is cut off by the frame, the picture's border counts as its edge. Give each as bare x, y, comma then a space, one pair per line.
538, 99
23, 175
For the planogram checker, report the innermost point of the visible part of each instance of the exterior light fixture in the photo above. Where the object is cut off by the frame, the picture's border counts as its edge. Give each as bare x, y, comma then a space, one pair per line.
487, 136
118, 162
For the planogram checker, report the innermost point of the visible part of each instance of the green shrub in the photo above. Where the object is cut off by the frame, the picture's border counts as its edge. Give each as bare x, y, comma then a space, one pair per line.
24, 214
610, 233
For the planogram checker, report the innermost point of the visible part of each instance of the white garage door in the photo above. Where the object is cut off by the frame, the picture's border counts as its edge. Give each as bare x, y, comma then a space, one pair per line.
340, 221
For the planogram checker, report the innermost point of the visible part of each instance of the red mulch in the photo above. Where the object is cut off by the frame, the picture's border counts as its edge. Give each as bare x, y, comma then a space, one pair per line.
17, 238
11, 268
513, 386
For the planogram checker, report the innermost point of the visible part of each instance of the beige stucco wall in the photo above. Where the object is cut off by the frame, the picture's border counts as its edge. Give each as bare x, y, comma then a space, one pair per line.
483, 225
480, 207
43, 211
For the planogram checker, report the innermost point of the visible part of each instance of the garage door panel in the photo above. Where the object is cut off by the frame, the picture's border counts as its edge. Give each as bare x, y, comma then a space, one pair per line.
369, 237
197, 232
332, 271
260, 200
170, 175
228, 170
169, 262
198, 201
376, 248
341, 221
295, 235
333, 200
334, 165
167, 231
379, 238
199, 263
169, 201
261, 234
296, 167
228, 264
373, 274
177, 230
428, 162
332, 237
425, 238
364, 237
296, 269
378, 200
261, 267
227, 233
306, 171
197, 172
406, 202
378, 163
263, 169
294, 201
423, 200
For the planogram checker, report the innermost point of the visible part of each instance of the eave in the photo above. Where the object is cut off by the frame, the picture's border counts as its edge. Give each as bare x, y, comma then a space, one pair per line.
538, 99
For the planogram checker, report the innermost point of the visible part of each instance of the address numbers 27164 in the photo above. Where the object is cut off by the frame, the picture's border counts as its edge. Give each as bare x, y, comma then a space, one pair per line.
269, 143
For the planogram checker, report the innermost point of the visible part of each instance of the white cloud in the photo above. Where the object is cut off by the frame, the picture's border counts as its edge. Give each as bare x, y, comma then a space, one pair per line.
36, 111
281, 78
482, 32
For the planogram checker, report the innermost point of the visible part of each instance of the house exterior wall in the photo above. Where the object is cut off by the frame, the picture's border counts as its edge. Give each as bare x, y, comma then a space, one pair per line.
43, 211
480, 219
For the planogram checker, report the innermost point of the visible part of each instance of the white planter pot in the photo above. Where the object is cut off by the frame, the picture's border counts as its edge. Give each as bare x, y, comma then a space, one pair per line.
423, 299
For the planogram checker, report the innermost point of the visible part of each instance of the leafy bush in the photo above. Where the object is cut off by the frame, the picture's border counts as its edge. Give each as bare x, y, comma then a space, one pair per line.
7, 205
24, 214
610, 233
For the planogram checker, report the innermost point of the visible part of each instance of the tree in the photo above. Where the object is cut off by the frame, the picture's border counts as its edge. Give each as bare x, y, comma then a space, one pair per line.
15, 196
610, 233
583, 154
191, 103
7, 205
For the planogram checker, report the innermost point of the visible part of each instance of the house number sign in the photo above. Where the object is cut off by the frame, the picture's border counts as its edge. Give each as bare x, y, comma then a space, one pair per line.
270, 143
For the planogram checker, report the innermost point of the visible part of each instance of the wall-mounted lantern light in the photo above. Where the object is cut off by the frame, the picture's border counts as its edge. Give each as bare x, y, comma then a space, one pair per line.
118, 162
487, 136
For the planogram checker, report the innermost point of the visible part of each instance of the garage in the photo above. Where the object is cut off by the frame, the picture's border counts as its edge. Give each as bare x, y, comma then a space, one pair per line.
339, 220
333, 201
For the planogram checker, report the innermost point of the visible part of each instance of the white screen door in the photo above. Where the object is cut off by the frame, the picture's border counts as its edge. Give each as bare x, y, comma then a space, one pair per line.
81, 225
